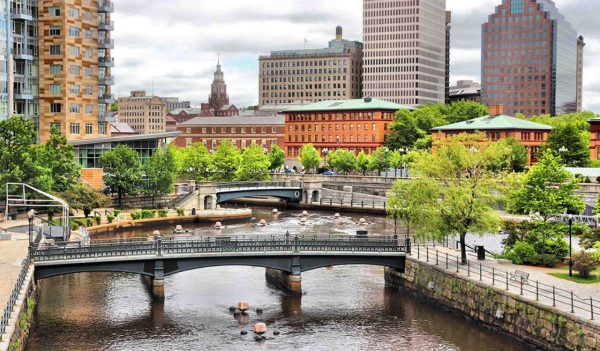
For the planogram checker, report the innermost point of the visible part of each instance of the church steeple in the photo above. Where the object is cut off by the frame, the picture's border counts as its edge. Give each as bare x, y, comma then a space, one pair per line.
218, 97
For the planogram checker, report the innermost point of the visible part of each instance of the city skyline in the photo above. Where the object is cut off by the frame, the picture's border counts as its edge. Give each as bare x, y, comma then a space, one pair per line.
180, 52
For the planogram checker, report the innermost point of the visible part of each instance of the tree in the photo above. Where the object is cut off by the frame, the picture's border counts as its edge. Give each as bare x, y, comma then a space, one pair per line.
380, 160
309, 157
460, 195
396, 161
225, 161
342, 160
123, 171
195, 162
463, 110
21, 160
60, 159
82, 197
517, 155
276, 157
412, 201
160, 174
546, 190
576, 143
363, 161
254, 164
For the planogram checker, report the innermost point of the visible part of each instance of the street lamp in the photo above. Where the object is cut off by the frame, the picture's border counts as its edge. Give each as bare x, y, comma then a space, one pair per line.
402, 153
30, 215
325, 151
563, 150
473, 149
570, 217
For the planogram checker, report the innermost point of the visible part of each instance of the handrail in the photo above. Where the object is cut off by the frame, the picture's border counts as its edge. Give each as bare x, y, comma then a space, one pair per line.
12, 299
258, 185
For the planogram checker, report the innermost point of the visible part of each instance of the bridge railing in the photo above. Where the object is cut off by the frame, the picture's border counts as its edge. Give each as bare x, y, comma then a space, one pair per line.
198, 245
340, 202
257, 185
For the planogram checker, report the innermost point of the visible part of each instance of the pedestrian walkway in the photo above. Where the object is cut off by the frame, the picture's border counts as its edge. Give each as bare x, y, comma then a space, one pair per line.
12, 254
582, 300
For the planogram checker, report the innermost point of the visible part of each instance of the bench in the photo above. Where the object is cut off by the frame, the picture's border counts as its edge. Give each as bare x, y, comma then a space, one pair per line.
520, 276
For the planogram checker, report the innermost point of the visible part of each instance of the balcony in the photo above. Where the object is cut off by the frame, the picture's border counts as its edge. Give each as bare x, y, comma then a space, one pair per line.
106, 26
106, 6
20, 13
23, 94
106, 99
23, 54
108, 80
106, 62
106, 43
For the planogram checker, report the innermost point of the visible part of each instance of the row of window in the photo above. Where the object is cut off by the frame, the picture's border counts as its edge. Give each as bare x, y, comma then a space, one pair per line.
75, 128
242, 143
338, 116
294, 151
310, 63
73, 108
56, 89
330, 127
330, 138
233, 130
74, 12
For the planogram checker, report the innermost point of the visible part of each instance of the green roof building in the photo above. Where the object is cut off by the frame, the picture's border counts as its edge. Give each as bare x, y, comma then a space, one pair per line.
351, 105
486, 123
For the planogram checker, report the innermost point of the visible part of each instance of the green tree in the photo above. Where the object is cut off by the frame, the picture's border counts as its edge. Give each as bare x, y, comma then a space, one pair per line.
546, 190
160, 170
195, 162
463, 110
114, 107
363, 161
123, 171
254, 164
225, 161
461, 188
576, 142
82, 197
517, 155
309, 157
276, 157
412, 201
380, 159
60, 159
342, 160
405, 131
21, 160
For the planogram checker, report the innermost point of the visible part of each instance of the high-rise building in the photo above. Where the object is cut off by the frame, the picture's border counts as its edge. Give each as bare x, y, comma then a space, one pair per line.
312, 75
406, 50
530, 59
145, 114
75, 67
580, 46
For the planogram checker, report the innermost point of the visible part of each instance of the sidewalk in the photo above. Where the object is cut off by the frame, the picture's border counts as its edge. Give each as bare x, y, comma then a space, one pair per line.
580, 291
12, 253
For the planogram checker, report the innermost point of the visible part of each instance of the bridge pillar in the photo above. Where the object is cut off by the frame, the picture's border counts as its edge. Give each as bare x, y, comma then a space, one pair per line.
207, 196
311, 192
158, 281
289, 282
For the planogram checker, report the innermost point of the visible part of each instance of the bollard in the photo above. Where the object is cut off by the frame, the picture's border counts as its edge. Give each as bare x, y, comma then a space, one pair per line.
446, 260
507, 280
427, 253
553, 297
537, 291
330, 202
572, 307
521, 280
362, 203
457, 264
436, 257
493, 276
468, 268
479, 271
592, 307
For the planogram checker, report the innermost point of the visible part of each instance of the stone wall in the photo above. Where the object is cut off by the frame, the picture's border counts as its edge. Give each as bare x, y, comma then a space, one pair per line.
145, 201
544, 327
16, 333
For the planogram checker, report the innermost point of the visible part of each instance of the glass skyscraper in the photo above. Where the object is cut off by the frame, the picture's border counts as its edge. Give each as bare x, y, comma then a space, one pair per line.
530, 59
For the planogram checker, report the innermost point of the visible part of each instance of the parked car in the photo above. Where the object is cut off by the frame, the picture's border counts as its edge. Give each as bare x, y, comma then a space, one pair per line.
329, 173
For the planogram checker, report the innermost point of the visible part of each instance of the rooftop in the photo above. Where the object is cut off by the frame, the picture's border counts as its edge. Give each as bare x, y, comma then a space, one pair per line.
494, 123
235, 120
125, 138
121, 127
351, 105
189, 111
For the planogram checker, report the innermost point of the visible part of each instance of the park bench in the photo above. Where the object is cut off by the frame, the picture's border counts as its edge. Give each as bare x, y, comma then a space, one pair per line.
520, 276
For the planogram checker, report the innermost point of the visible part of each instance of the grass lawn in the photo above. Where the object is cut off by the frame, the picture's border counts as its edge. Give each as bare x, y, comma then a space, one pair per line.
593, 278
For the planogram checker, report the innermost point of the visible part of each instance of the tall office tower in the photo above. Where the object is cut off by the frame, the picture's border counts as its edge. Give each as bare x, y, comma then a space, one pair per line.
580, 46
75, 66
405, 50
295, 76
529, 59
447, 82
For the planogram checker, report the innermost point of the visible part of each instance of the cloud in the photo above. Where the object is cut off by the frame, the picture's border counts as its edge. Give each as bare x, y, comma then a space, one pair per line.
175, 43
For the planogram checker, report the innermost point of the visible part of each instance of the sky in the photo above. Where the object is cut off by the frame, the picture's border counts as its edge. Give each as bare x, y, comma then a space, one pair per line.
170, 48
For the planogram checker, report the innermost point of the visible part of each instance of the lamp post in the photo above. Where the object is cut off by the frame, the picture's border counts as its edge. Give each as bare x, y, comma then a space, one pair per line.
30, 215
402, 153
325, 151
563, 152
570, 217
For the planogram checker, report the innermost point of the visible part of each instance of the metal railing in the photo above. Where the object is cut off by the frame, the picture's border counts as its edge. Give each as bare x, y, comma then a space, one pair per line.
352, 203
549, 295
257, 185
160, 246
14, 295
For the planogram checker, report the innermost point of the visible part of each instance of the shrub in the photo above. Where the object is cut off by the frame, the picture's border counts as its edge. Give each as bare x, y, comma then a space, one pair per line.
117, 213
597, 251
548, 260
522, 253
584, 263
135, 215
110, 218
98, 220
163, 213
89, 222
587, 180
180, 212
147, 214
74, 225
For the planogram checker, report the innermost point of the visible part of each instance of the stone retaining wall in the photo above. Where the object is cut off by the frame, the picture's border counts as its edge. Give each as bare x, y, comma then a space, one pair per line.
544, 327
16, 333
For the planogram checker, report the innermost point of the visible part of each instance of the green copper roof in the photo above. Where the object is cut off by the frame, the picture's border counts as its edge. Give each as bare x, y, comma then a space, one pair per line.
597, 119
355, 104
494, 123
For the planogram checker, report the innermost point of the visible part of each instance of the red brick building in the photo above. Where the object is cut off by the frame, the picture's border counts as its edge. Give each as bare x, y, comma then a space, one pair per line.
185, 114
595, 138
356, 125
242, 131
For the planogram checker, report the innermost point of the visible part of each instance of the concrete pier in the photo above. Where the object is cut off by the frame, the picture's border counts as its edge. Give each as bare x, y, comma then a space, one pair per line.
158, 289
291, 283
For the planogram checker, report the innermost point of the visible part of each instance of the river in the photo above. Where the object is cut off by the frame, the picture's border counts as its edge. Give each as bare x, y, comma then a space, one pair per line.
342, 308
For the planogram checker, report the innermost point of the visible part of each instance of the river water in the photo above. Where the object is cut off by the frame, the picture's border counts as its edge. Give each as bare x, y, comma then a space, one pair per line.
342, 308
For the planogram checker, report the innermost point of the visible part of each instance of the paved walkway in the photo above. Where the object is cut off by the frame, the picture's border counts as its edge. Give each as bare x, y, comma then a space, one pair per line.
12, 253
581, 292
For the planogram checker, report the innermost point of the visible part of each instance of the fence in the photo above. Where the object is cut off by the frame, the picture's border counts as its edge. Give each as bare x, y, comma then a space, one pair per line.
14, 295
510, 281
351, 203
258, 185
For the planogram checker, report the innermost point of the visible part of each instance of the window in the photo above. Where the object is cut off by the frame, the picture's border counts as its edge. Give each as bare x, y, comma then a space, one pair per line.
188, 130
55, 69
89, 90
102, 128
54, 11
74, 89
75, 108
89, 128
74, 32
55, 89
274, 130
89, 53
75, 70
87, 15
74, 128
74, 12
55, 108
55, 125
89, 109
54, 31
74, 50
88, 34
54, 49
517, 6
89, 71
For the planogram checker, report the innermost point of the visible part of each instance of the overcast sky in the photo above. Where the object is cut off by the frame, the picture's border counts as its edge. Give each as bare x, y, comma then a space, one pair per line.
175, 42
